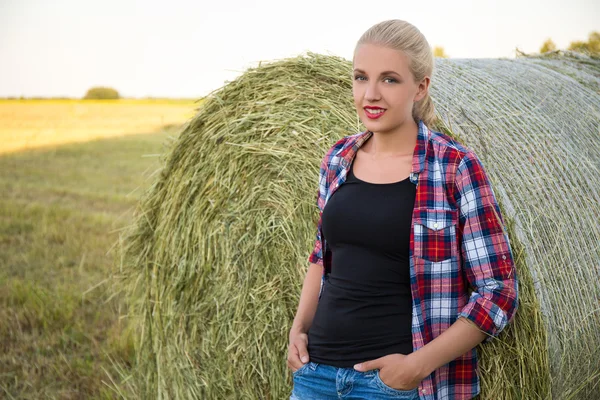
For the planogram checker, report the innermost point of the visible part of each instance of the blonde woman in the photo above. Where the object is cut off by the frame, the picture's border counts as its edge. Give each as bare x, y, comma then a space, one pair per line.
411, 267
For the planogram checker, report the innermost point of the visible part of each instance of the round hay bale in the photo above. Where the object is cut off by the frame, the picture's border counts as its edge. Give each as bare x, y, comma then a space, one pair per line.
215, 260
535, 123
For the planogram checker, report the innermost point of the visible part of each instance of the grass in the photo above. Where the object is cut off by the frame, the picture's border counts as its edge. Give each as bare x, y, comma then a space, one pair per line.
61, 209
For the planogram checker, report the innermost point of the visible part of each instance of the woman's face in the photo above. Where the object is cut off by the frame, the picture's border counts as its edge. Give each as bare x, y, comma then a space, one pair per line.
382, 80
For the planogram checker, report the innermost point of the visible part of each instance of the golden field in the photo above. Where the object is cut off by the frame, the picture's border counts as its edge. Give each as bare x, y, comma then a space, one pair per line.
26, 124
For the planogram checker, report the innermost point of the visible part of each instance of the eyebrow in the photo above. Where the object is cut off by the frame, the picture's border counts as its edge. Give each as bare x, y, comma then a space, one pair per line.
383, 73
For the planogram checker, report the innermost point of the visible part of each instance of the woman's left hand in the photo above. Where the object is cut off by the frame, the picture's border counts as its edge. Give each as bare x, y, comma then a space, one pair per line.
398, 371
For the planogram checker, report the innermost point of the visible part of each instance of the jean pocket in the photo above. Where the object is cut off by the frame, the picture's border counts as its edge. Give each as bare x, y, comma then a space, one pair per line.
435, 233
401, 394
302, 369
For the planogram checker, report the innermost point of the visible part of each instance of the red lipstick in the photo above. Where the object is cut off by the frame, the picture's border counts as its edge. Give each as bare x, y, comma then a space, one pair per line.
378, 112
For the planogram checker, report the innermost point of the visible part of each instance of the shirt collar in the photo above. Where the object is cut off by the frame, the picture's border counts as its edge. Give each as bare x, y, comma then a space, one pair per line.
418, 161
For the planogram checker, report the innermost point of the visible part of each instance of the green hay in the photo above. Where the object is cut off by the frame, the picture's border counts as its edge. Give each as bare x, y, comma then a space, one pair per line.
216, 258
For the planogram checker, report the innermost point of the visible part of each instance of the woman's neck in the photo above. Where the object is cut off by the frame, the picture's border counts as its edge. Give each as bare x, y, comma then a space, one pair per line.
397, 143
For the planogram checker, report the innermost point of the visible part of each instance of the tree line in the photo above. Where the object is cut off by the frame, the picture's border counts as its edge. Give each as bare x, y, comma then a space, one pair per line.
591, 47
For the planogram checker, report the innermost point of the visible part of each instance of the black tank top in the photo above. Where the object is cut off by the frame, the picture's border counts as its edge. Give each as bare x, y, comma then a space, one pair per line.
365, 309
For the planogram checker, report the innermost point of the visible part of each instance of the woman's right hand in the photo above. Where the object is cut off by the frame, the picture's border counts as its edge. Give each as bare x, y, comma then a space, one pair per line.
307, 307
297, 351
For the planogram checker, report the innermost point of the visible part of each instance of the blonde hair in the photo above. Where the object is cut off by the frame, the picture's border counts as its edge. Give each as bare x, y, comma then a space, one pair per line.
400, 35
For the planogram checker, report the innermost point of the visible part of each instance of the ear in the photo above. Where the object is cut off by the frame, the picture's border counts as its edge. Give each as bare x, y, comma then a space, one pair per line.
422, 89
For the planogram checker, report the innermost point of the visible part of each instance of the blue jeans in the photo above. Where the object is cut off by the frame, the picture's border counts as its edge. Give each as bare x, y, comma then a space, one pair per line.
315, 381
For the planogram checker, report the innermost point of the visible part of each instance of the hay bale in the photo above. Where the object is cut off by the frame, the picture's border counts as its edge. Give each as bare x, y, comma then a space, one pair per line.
535, 123
215, 261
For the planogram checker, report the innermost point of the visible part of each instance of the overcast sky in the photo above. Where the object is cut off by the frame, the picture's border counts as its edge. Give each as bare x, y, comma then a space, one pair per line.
182, 48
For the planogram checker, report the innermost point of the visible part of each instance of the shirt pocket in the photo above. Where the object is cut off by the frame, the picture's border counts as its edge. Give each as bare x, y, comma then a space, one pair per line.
435, 233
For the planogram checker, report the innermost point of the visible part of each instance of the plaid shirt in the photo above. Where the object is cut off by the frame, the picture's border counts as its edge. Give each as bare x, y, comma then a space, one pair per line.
461, 263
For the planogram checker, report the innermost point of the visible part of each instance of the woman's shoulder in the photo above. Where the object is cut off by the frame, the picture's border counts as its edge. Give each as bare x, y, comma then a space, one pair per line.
453, 153
343, 143
447, 143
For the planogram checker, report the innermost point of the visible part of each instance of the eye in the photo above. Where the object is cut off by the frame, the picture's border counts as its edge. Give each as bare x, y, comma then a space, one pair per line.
391, 80
357, 77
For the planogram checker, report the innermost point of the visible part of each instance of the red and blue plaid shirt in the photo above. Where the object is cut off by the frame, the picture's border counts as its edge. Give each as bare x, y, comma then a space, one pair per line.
461, 263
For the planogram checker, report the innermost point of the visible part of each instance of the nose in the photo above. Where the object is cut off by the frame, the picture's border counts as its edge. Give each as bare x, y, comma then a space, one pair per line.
372, 92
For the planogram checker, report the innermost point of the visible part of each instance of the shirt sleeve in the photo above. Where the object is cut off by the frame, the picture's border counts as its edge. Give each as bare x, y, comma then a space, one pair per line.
316, 257
487, 259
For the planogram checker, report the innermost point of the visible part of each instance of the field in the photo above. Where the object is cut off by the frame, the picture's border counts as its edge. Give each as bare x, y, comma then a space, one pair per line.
70, 174
27, 124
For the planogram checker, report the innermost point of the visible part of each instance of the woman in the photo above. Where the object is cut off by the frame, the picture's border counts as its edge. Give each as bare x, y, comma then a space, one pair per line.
411, 267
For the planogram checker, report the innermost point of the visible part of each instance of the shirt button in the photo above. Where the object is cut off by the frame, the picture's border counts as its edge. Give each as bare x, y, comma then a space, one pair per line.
435, 225
504, 257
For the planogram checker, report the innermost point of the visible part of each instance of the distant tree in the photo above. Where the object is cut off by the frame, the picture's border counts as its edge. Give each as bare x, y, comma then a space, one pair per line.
438, 51
101, 93
548, 45
591, 47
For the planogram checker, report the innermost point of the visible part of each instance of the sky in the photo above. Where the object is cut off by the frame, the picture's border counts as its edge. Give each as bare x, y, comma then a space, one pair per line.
187, 48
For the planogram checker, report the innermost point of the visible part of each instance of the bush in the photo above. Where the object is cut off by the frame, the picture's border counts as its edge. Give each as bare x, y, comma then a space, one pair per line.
102, 93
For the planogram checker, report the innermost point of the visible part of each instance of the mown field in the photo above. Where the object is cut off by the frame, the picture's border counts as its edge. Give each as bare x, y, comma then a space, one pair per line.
71, 173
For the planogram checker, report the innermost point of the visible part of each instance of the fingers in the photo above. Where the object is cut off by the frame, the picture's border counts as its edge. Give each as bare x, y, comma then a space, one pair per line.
302, 352
294, 359
297, 355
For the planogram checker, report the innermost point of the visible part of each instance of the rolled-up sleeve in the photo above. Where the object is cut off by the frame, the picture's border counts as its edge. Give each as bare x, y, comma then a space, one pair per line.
487, 259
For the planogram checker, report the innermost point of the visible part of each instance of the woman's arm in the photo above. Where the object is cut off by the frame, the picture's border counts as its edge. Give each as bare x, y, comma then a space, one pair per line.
487, 264
309, 298
455, 341
487, 259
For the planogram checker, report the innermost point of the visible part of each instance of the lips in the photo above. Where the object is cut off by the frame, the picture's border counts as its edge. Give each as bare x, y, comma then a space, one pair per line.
374, 112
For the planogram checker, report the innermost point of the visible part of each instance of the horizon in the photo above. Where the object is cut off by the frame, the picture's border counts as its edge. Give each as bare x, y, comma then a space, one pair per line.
189, 49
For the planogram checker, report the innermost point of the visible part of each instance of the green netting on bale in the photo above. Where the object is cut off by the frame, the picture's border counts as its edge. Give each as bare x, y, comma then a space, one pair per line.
535, 122
215, 261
